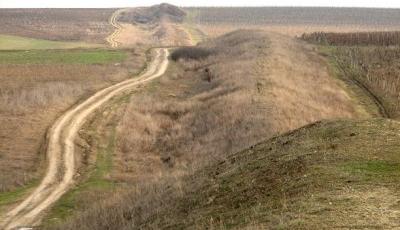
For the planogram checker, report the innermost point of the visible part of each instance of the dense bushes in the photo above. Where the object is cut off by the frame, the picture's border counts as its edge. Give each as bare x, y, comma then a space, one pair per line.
195, 53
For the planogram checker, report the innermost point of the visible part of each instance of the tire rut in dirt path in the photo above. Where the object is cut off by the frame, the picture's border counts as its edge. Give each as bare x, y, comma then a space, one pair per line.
60, 151
112, 39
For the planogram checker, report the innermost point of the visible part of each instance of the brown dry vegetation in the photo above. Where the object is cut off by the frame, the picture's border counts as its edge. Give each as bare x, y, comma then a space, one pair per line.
31, 98
370, 60
89, 25
251, 87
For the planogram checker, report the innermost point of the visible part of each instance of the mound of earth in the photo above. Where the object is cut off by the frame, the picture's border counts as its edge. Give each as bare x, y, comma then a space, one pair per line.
154, 14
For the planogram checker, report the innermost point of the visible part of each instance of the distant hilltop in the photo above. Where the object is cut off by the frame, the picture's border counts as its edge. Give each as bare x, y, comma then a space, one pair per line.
154, 14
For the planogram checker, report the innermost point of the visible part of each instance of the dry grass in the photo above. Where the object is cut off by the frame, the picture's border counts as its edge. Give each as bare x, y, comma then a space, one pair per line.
32, 96
253, 87
27, 87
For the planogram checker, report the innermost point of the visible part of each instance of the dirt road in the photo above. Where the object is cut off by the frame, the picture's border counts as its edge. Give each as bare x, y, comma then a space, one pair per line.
112, 39
60, 151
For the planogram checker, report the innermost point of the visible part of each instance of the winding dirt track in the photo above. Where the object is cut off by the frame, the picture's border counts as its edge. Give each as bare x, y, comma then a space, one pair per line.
112, 39
60, 151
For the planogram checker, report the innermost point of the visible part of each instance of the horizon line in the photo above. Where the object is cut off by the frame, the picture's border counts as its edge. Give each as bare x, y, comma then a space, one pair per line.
222, 6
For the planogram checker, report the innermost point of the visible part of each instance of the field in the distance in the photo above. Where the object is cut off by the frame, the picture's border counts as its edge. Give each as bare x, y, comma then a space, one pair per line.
292, 20
88, 25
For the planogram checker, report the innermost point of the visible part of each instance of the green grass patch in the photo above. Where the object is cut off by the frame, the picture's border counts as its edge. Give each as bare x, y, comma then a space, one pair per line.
62, 56
8, 42
373, 168
15, 195
96, 182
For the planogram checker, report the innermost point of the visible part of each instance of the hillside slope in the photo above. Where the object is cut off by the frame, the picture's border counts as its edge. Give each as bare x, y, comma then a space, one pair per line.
341, 174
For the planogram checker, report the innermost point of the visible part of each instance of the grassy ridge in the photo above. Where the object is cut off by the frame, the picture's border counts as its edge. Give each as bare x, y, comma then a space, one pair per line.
8, 42
302, 180
62, 56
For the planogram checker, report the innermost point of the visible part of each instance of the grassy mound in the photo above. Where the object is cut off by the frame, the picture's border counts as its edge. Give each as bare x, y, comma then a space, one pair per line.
342, 174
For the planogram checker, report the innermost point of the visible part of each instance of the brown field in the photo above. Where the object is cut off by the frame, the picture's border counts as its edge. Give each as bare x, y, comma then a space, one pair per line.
292, 21
307, 16
90, 25
227, 99
32, 96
